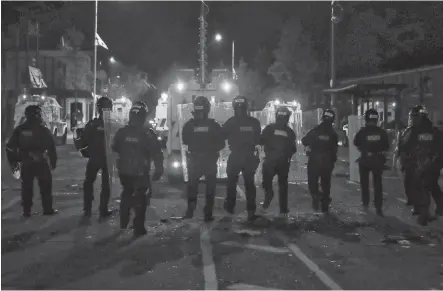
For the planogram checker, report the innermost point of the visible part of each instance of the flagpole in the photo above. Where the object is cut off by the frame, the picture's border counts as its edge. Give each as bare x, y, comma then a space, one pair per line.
95, 59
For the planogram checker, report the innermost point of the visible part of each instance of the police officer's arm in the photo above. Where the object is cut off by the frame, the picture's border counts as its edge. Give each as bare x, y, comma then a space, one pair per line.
88, 133
267, 131
116, 142
257, 131
187, 133
12, 146
334, 144
404, 140
358, 139
309, 138
50, 147
226, 128
292, 142
155, 151
219, 139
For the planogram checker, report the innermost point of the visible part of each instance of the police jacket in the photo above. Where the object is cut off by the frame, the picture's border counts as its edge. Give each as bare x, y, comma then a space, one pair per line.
31, 142
371, 140
322, 139
93, 139
136, 147
203, 136
278, 141
242, 133
419, 142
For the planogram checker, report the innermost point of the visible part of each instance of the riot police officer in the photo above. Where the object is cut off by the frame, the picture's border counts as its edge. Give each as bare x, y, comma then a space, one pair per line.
243, 134
279, 143
203, 137
322, 145
32, 144
421, 148
136, 146
372, 142
93, 147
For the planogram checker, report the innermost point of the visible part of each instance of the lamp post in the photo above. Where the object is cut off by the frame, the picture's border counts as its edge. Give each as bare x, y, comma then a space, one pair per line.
336, 11
219, 38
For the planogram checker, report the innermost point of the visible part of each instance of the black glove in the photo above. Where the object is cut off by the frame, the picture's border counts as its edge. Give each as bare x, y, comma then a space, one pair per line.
53, 165
157, 174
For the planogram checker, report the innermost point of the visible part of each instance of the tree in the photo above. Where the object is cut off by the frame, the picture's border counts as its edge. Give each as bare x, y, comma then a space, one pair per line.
295, 64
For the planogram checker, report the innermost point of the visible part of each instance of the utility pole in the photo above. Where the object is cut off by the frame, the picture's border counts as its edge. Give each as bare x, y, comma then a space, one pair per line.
202, 49
336, 12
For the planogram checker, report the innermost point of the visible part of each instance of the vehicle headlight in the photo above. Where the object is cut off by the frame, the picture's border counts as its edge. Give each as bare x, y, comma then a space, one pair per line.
176, 164
159, 138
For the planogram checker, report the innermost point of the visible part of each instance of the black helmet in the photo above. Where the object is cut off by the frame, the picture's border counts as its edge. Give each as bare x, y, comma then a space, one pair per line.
104, 103
240, 105
138, 114
33, 113
201, 103
328, 115
371, 115
418, 110
282, 115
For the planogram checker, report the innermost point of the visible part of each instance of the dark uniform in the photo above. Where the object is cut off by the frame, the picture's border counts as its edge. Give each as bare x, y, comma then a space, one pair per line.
93, 147
372, 142
32, 144
322, 143
136, 146
279, 143
421, 149
243, 135
204, 138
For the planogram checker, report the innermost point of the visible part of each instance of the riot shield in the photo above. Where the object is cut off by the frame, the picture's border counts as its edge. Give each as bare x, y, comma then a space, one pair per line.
184, 113
110, 129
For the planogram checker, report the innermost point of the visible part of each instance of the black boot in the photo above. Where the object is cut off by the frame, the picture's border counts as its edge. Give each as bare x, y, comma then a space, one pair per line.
190, 210
315, 204
379, 212
105, 213
50, 212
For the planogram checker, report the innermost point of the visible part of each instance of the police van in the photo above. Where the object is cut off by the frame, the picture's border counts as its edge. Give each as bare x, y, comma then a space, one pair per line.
220, 92
50, 114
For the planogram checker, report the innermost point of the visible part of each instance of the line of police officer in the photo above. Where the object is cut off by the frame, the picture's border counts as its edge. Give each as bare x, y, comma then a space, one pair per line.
420, 146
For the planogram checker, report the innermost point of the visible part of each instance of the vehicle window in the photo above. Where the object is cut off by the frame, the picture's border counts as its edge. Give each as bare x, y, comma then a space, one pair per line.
163, 122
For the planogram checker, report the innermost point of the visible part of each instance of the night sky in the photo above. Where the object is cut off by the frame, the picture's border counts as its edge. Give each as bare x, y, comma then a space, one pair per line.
153, 35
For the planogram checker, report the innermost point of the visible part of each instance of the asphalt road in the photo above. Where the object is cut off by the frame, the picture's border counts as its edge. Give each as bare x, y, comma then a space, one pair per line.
347, 249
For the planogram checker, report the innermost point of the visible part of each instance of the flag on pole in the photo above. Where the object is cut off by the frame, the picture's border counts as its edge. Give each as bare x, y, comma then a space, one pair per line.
100, 42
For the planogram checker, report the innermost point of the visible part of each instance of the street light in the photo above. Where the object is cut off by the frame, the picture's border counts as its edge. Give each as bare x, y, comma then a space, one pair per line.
226, 86
164, 96
180, 86
218, 37
112, 60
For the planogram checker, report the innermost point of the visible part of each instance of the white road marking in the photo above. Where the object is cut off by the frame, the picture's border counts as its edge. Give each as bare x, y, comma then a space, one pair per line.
322, 276
241, 193
209, 272
256, 247
247, 287
11, 203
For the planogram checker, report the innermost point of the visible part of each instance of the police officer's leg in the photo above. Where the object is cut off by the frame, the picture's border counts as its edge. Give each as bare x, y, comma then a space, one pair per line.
436, 192
377, 179
364, 184
140, 205
325, 180
232, 170
44, 178
211, 184
27, 174
248, 176
268, 171
283, 172
92, 168
126, 199
194, 174
105, 193
313, 176
423, 202
408, 181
